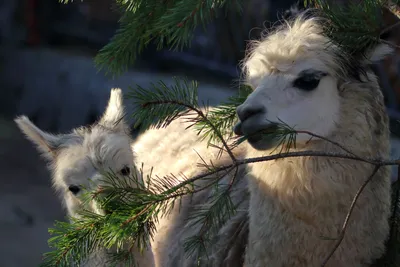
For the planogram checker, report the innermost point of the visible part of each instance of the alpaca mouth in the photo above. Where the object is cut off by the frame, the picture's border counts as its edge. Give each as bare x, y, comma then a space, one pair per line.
261, 137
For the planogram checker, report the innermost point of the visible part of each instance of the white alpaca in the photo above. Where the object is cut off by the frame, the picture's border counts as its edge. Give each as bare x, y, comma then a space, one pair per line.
77, 160
86, 152
301, 78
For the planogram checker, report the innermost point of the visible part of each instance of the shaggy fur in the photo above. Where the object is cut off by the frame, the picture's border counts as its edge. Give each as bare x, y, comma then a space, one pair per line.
295, 202
176, 150
86, 152
79, 159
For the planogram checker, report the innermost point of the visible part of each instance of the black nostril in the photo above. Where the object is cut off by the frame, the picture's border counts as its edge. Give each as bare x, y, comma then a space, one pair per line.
246, 111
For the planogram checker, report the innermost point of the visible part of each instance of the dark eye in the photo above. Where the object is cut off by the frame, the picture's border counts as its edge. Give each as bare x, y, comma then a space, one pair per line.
125, 171
306, 83
74, 189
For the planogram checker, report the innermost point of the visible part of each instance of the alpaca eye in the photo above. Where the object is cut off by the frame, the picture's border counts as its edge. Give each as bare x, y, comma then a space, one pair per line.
306, 83
125, 171
309, 79
74, 189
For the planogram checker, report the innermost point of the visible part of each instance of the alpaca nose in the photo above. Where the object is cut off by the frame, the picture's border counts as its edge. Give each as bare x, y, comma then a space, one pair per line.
245, 111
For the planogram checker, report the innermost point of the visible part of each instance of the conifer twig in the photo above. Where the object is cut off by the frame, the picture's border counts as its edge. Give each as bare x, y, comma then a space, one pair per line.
200, 114
328, 140
389, 28
306, 153
346, 221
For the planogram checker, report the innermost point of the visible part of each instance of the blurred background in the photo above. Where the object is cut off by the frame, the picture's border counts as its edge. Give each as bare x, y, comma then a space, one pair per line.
47, 73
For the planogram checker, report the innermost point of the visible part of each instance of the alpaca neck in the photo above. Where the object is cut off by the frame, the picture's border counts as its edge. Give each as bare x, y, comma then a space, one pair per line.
290, 194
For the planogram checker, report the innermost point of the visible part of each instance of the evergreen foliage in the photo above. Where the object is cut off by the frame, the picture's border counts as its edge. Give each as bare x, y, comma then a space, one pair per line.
166, 23
134, 211
356, 27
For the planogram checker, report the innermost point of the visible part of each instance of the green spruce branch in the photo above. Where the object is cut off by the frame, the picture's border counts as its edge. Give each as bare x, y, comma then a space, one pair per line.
181, 100
223, 117
166, 23
355, 26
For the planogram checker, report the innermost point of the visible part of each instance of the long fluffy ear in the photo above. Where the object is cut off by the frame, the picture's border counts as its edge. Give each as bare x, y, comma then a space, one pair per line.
113, 117
46, 143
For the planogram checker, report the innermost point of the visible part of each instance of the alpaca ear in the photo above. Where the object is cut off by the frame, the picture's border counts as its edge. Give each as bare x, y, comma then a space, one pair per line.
389, 30
113, 117
380, 52
46, 143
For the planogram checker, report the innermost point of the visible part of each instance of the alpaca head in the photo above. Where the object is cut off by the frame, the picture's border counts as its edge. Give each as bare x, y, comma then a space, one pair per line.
79, 159
297, 74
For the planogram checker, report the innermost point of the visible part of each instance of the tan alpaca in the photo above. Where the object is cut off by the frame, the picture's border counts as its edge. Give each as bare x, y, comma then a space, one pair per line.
85, 152
310, 84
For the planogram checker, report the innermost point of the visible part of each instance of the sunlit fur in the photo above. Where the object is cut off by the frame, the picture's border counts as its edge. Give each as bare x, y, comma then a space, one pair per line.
297, 204
174, 150
81, 158
106, 145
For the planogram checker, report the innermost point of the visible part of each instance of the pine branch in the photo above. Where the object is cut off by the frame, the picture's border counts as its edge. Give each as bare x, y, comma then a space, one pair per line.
223, 117
159, 106
355, 27
346, 221
210, 217
280, 133
167, 24
133, 208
